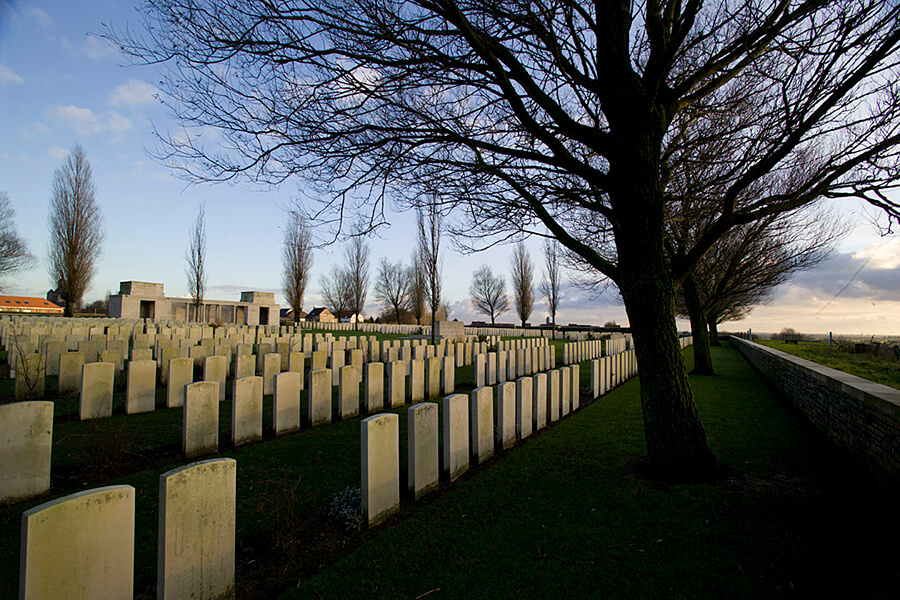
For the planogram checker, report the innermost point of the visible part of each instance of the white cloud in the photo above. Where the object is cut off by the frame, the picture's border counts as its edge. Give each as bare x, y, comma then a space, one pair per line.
96, 47
41, 17
132, 94
57, 152
21, 158
884, 255
8, 76
84, 122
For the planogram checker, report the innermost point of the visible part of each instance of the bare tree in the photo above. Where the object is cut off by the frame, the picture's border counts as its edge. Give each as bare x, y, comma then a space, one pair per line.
76, 229
526, 117
417, 293
357, 273
743, 268
488, 293
522, 281
550, 286
429, 221
296, 260
195, 256
14, 253
337, 291
392, 287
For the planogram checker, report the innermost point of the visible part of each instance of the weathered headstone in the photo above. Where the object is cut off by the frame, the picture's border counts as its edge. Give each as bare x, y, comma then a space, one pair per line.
422, 444
79, 547
200, 431
197, 526
31, 375
448, 374
396, 383
70, 367
433, 377
481, 422
26, 441
565, 393
244, 365
215, 368
247, 409
96, 390
374, 387
553, 389
181, 373
348, 391
417, 381
286, 407
524, 407
455, 442
271, 368
140, 386
575, 386
380, 467
505, 415
319, 397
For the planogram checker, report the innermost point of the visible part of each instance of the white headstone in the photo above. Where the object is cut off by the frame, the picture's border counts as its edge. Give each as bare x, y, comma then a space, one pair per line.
481, 422
455, 440
286, 404
140, 386
79, 547
197, 528
247, 409
26, 441
200, 432
422, 444
96, 390
380, 467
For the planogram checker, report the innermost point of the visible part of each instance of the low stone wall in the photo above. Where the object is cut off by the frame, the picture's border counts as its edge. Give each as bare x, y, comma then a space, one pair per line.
857, 414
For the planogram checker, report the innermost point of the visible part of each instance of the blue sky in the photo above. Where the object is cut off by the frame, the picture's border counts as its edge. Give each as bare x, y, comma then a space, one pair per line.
61, 84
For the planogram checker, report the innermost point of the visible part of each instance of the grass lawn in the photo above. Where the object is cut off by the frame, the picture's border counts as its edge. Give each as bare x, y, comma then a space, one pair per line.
885, 371
564, 514
567, 515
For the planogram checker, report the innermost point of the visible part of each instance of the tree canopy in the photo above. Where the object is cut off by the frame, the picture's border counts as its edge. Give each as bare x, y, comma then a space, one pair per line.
551, 118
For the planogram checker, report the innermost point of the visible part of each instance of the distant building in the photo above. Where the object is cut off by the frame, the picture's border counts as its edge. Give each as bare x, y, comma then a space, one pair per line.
142, 300
27, 305
54, 297
287, 314
320, 315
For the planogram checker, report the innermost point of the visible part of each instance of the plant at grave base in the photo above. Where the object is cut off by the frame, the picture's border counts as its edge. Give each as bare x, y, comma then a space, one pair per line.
346, 508
278, 503
481, 338
104, 445
31, 378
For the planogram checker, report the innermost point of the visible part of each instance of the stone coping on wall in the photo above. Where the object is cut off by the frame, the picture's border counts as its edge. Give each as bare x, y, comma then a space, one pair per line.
880, 397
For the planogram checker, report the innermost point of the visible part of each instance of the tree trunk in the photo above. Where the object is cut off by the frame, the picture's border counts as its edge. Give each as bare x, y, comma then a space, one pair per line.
702, 357
69, 309
712, 320
676, 441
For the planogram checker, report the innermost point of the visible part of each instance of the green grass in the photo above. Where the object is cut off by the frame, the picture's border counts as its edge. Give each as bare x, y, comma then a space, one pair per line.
566, 515
885, 371
563, 514
136, 449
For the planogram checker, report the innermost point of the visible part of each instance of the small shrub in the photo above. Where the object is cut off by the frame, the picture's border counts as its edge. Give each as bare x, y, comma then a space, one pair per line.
346, 508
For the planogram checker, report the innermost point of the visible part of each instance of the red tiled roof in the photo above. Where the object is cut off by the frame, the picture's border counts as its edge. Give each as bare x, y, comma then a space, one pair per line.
26, 302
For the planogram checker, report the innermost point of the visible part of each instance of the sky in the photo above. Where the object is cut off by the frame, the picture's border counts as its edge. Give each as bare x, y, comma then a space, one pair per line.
61, 84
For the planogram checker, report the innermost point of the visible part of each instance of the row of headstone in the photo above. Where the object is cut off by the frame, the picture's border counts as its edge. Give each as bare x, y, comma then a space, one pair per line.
609, 372
476, 426
81, 546
580, 351
496, 367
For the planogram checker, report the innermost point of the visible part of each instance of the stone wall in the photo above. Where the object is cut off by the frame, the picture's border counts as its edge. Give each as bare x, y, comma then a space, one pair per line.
857, 414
